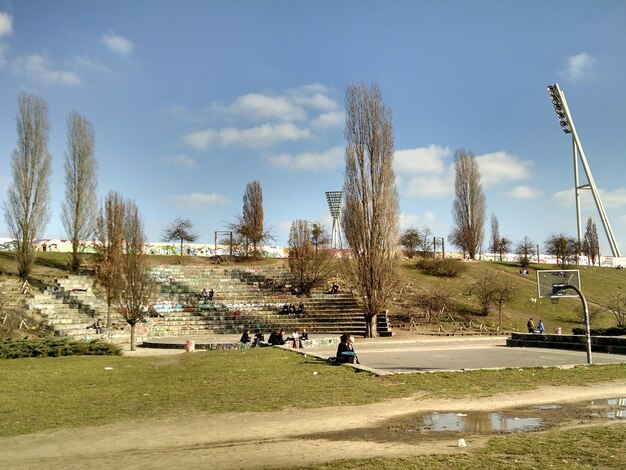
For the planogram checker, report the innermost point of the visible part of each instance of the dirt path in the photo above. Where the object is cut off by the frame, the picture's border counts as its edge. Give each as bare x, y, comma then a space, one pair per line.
260, 440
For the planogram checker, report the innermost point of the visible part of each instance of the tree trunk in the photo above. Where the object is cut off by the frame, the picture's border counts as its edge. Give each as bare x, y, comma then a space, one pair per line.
133, 339
370, 326
109, 314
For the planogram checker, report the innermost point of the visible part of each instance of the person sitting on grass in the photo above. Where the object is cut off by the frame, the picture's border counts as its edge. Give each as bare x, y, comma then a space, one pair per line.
245, 337
258, 337
345, 350
295, 338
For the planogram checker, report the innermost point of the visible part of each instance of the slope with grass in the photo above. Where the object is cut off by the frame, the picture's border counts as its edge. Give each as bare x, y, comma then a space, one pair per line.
597, 284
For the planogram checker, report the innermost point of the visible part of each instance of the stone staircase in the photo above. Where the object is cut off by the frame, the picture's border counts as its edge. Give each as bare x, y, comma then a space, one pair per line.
69, 306
244, 298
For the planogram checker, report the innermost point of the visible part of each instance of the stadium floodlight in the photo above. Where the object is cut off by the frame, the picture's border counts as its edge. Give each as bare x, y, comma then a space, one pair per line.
567, 124
334, 199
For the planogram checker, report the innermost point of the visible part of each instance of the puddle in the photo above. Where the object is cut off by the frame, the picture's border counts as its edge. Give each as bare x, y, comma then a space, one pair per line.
477, 423
427, 426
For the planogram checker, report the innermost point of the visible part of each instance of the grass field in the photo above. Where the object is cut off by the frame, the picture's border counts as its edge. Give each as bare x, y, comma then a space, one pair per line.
48, 393
598, 447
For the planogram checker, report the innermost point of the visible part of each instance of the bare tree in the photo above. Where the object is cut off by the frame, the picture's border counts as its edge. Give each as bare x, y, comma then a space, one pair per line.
617, 306
591, 242
484, 288
80, 206
312, 264
137, 285
504, 247
109, 244
469, 205
495, 240
564, 248
319, 236
26, 208
505, 292
370, 213
253, 214
410, 241
434, 300
180, 229
426, 241
525, 251
491, 289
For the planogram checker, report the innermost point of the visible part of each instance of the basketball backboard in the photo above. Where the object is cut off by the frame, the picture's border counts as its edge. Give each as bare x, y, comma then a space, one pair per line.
551, 283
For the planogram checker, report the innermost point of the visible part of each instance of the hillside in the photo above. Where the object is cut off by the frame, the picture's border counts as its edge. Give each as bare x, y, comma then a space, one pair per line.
462, 307
596, 283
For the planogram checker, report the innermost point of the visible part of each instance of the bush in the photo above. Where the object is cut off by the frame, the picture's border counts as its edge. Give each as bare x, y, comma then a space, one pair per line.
613, 331
446, 267
54, 347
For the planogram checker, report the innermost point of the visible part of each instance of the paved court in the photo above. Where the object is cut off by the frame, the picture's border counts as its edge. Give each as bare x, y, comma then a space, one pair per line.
461, 353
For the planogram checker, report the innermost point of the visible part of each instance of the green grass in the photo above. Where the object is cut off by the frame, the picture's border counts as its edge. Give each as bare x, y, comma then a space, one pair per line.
49, 393
597, 447
596, 283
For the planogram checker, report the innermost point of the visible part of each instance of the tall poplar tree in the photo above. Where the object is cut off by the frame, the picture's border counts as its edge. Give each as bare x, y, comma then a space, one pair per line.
80, 205
469, 205
26, 208
370, 213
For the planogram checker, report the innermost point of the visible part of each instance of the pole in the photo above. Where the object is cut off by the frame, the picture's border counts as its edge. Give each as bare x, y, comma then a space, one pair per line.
586, 314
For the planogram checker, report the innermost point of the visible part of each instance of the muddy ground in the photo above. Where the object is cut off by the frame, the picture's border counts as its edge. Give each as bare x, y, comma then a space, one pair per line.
281, 439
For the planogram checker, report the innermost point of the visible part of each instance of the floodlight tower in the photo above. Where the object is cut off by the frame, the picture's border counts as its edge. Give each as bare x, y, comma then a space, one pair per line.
567, 124
334, 204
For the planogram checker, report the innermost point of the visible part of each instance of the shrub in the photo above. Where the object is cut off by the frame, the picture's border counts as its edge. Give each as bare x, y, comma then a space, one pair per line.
613, 331
446, 267
50, 346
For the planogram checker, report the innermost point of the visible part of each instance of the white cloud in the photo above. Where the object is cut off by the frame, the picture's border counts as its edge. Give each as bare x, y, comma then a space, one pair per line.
524, 192
265, 135
431, 186
614, 198
416, 221
263, 107
421, 160
180, 160
84, 63
4, 48
194, 201
118, 44
39, 68
578, 66
6, 24
500, 167
309, 161
313, 96
329, 120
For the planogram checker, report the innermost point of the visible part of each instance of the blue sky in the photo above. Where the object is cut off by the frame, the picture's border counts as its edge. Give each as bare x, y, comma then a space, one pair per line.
191, 100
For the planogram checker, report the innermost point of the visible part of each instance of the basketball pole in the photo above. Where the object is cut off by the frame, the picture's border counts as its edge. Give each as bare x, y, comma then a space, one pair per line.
586, 315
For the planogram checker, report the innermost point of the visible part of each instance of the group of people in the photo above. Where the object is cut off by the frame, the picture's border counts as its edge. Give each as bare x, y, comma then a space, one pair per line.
524, 272
531, 327
290, 309
345, 350
256, 340
276, 338
207, 296
334, 289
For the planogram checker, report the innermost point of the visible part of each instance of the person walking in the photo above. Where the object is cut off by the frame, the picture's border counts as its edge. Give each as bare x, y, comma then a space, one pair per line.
530, 325
540, 327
